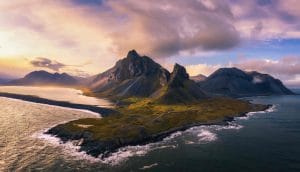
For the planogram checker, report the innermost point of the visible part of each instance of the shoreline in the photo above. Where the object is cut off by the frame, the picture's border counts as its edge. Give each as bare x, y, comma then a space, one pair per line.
103, 112
93, 148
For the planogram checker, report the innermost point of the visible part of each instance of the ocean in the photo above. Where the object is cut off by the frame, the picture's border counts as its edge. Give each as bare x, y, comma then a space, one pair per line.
262, 141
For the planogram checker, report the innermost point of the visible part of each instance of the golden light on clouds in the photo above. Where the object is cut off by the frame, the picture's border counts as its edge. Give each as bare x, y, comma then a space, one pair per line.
73, 33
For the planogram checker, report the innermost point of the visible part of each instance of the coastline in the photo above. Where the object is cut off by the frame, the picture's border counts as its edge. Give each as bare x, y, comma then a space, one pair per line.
105, 149
91, 147
99, 110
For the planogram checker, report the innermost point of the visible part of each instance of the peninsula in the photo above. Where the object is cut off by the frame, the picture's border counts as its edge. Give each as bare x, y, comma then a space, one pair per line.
151, 103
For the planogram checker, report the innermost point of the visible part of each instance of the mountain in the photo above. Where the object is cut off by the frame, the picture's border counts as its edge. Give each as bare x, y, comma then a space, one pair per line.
134, 75
4, 80
198, 78
268, 84
45, 78
180, 89
140, 76
234, 82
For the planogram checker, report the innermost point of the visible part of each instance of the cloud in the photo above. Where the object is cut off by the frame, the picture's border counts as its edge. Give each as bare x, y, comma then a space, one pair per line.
165, 28
204, 69
160, 29
294, 82
285, 67
261, 20
104, 31
47, 63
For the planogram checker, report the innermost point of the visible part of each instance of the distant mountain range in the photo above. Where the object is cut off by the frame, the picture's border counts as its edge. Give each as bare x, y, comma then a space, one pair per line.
45, 78
140, 76
234, 82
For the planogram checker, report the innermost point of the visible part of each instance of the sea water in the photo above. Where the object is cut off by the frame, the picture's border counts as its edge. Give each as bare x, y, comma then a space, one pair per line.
263, 141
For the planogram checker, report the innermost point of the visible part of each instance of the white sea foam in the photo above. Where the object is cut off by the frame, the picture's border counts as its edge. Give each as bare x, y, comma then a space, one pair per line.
125, 153
173, 135
148, 166
273, 108
206, 136
188, 142
68, 148
230, 126
71, 148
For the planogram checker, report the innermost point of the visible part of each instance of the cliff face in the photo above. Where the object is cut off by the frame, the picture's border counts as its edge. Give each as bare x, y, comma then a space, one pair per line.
237, 83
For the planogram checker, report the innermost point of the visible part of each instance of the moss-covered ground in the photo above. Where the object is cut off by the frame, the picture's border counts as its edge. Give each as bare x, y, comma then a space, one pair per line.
143, 117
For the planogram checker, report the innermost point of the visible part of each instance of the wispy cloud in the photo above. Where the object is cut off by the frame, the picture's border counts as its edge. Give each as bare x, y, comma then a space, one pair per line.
47, 63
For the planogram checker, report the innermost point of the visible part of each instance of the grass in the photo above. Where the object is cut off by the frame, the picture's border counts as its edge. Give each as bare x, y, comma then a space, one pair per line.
143, 117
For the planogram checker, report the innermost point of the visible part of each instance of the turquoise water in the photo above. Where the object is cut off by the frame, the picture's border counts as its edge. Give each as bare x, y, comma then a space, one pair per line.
267, 142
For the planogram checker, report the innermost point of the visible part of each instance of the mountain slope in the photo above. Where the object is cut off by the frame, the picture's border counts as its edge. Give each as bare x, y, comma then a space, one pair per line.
134, 75
45, 78
267, 84
237, 83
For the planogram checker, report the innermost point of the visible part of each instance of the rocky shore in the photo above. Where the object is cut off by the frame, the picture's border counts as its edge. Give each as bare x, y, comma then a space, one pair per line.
103, 148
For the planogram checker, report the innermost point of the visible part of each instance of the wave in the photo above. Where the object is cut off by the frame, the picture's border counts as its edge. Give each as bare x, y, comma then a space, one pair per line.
273, 108
68, 148
207, 136
148, 166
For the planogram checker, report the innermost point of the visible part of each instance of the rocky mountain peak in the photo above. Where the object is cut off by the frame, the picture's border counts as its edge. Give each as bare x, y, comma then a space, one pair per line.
133, 75
178, 76
133, 66
132, 54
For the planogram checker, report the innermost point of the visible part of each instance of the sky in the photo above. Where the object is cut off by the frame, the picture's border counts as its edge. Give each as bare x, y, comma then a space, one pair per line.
86, 37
